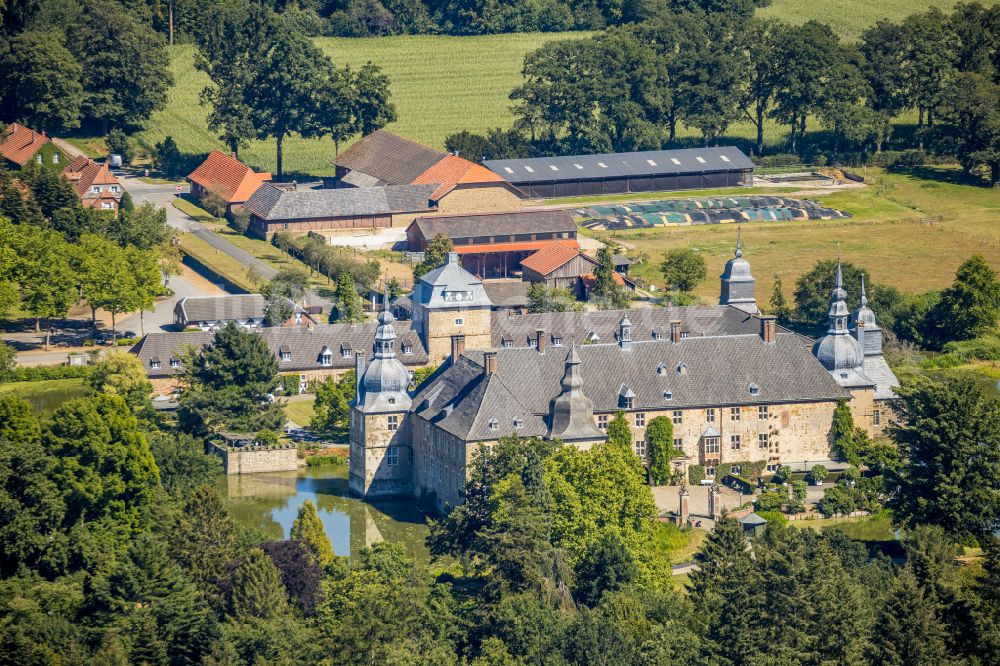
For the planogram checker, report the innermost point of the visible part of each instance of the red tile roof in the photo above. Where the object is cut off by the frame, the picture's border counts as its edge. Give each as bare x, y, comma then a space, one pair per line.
550, 258
590, 280
83, 173
228, 177
517, 246
452, 171
21, 143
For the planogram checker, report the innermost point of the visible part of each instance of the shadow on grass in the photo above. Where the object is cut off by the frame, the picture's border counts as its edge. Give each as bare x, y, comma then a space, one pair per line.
942, 174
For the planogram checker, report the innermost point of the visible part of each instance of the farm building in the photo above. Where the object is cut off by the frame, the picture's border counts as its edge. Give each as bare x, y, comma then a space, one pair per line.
383, 158
625, 173
20, 144
493, 244
559, 266
300, 211
226, 177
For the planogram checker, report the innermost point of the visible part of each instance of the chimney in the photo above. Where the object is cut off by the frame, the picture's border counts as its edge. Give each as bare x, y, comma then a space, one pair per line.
767, 329
489, 363
860, 328
540, 340
675, 331
457, 347
359, 372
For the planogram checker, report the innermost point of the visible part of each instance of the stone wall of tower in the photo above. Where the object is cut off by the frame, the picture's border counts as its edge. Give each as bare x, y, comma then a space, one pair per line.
371, 475
440, 325
863, 409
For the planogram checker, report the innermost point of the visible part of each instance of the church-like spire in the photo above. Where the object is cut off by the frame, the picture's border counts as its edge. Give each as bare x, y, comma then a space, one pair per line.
737, 283
385, 334
838, 350
838, 304
864, 296
571, 412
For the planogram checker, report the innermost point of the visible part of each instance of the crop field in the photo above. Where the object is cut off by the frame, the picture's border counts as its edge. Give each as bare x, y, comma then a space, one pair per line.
849, 18
444, 84
909, 230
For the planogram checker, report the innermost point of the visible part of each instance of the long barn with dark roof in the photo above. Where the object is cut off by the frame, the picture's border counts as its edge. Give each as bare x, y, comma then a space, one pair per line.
625, 173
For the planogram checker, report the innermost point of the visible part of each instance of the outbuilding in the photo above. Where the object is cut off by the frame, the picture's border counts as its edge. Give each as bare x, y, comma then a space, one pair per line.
625, 173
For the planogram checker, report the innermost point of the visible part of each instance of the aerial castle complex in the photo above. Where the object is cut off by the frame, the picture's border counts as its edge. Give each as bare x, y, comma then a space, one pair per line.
737, 387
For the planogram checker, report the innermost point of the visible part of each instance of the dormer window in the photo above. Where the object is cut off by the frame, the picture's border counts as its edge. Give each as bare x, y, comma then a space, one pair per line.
407, 347
754, 389
518, 423
392, 401
175, 362
684, 335
593, 338
625, 397
493, 424
506, 342
682, 369
661, 369
556, 340
154, 362
284, 353
657, 335
667, 395
96, 189
326, 356
532, 342
345, 351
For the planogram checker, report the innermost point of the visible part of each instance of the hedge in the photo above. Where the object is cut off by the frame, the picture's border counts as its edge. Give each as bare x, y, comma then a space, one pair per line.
696, 474
39, 373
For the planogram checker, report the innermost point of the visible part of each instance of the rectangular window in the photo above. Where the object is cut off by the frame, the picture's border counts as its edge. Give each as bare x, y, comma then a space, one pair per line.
679, 444
712, 445
507, 344
114, 188
773, 468
626, 403
762, 441
710, 472
96, 189
459, 322
602, 421
393, 425
678, 417
710, 415
876, 417
734, 442
392, 455
762, 413
734, 413
640, 419
640, 448
345, 352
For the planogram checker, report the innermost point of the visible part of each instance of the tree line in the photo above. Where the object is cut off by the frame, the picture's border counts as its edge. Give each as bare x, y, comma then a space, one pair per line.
54, 253
115, 548
630, 87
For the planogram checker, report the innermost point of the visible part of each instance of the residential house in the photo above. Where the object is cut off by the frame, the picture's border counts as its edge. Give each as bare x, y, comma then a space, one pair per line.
247, 310
94, 183
20, 145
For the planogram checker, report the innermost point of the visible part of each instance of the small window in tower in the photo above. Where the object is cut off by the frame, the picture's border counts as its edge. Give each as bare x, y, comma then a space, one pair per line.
602, 421
459, 322
392, 455
392, 401
392, 424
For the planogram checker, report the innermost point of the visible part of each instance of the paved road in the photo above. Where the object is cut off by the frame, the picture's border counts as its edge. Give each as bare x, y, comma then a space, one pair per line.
187, 284
163, 196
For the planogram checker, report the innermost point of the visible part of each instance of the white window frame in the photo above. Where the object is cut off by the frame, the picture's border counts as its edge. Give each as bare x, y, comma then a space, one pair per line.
677, 417
602, 421
734, 413
735, 442
392, 456
392, 423
640, 419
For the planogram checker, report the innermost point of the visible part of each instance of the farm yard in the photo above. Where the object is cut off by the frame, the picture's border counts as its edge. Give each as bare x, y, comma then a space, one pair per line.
911, 230
445, 84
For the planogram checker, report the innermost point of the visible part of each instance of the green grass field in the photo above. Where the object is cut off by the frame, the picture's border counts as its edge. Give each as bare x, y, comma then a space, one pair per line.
444, 84
300, 411
913, 232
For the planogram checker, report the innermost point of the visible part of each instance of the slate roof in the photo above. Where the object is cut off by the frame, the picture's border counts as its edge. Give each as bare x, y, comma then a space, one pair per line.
271, 203
225, 175
222, 308
697, 321
21, 143
876, 369
480, 225
453, 171
303, 343
620, 165
389, 158
719, 371
507, 294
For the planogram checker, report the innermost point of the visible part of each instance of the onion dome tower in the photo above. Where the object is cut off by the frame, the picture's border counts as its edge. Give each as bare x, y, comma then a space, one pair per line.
838, 351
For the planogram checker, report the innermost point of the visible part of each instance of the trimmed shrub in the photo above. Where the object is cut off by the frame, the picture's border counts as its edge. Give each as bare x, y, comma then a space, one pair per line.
696, 474
43, 372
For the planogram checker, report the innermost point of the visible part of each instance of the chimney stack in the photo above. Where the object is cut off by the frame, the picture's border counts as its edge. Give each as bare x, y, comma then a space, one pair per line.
540, 341
489, 363
359, 371
675, 331
767, 329
457, 347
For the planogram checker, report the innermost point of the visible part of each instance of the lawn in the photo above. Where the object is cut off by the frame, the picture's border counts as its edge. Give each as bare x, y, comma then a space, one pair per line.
219, 262
193, 210
911, 230
300, 411
269, 254
865, 528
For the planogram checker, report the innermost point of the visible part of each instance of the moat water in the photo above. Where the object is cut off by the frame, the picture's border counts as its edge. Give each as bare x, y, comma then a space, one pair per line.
270, 502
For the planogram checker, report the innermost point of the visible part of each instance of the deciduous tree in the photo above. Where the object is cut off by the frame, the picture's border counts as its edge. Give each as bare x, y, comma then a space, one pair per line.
40, 82
683, 268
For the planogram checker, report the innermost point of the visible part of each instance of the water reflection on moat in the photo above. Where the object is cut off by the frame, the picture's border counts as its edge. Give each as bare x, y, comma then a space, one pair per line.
271, 501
